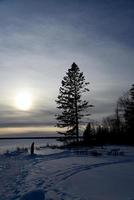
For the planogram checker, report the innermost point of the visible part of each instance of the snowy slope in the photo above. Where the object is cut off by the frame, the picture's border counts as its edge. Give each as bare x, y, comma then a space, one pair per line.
68, 175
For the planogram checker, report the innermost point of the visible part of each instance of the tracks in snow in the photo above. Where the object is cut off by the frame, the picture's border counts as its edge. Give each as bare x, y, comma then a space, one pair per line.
38, 172
50, 182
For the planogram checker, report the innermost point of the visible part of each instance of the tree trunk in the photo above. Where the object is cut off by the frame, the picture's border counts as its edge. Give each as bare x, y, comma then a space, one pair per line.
77, 129
76, 115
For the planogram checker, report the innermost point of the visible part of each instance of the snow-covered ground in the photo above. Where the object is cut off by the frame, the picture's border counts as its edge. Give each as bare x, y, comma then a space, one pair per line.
69, 175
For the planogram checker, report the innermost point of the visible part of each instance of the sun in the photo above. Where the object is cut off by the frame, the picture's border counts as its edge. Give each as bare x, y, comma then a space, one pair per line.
23, 101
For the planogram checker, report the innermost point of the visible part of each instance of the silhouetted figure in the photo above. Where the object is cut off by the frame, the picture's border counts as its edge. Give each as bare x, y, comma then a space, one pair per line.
32, 148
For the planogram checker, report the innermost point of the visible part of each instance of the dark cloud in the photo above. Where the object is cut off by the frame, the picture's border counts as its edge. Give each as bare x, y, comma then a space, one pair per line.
16, 118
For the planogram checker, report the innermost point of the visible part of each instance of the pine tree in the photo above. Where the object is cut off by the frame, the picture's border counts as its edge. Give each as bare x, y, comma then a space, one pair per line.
70, 100
129, 111
87, 135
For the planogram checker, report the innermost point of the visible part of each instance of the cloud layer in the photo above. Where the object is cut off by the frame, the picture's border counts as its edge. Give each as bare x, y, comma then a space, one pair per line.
39, 40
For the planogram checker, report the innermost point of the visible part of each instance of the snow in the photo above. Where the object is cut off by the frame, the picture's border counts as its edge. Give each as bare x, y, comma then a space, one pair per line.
34, 195
68, 175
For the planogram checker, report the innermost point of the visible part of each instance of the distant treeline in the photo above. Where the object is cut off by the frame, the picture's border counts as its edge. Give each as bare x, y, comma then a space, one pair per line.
116, 129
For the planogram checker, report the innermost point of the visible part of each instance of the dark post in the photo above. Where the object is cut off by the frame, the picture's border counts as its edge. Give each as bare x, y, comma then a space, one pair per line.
32, 148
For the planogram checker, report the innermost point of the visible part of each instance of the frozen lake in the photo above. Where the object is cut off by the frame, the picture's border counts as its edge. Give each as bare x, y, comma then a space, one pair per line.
13, 143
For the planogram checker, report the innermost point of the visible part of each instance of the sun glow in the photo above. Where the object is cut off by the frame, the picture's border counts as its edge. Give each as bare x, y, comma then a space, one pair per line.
23, 101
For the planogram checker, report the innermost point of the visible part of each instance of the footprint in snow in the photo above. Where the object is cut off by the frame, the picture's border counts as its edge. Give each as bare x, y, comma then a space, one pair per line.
34, 195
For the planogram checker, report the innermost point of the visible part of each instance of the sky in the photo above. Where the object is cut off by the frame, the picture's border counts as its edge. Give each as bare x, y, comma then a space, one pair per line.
39, 40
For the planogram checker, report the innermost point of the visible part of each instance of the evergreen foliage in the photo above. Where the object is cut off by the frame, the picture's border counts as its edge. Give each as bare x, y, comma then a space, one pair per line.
70, 101
87, 135
129, 111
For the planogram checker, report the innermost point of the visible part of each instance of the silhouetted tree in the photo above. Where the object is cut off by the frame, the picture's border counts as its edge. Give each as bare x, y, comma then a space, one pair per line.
87, 135
70, 100
112, 125
102, 135
123, 102
120, 126
129, 112
117, 119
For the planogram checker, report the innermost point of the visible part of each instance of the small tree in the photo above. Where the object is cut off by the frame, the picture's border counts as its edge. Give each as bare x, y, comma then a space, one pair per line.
88, 133
70, 100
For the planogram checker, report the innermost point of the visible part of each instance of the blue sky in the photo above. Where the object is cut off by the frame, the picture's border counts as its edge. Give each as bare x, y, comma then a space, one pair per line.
39, 40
